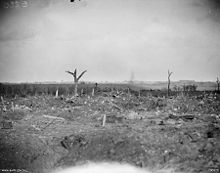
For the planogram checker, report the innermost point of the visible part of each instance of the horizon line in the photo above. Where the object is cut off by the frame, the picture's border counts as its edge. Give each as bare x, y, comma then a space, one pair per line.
125, 81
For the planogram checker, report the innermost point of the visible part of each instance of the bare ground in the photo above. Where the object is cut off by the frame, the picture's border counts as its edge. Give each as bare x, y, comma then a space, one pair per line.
43, 132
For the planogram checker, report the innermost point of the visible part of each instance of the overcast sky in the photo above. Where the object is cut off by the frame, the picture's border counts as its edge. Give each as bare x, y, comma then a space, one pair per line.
115, 40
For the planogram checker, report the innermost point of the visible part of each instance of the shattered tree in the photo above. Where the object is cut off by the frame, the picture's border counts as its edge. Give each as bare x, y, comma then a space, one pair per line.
168, 86
76, 79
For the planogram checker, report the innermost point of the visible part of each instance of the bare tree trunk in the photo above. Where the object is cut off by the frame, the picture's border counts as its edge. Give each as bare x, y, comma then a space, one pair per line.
76, 89
168, 86
76, 80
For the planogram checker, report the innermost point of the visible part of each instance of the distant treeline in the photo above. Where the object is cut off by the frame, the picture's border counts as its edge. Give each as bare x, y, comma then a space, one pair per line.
24, 89
31, 89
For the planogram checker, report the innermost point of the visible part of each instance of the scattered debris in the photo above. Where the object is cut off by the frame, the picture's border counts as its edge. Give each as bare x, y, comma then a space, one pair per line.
73, 140
113, 118
161, 122
6, 125
3, 105
12, 107
53, 117
187, 116
131, 115
182, 130
22, 107
66, 143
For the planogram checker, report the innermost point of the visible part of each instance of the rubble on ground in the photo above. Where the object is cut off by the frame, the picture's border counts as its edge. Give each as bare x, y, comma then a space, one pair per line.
47, 132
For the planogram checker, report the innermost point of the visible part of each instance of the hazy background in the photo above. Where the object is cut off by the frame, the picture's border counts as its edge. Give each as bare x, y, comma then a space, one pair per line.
115, 40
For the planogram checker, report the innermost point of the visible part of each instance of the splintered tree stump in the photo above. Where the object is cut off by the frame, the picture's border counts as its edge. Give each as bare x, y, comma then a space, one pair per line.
76, 80
168, 86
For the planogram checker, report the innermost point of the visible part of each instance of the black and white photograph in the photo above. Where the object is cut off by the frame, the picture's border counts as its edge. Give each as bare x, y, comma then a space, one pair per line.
109, 86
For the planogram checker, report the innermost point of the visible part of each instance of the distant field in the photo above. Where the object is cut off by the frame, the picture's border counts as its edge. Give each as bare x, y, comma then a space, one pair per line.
23, 89
201, 86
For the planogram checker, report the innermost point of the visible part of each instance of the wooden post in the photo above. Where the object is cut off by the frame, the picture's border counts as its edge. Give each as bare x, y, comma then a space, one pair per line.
104, 120
93, 91
57, 93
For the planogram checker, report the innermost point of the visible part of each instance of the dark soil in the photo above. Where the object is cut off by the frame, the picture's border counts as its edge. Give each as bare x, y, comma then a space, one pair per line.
43, 132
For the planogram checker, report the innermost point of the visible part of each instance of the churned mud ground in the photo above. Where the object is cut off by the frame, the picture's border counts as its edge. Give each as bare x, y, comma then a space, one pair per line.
40, 133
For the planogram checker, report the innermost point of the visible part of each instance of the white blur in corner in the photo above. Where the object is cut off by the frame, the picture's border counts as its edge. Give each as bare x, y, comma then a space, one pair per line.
109, 168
